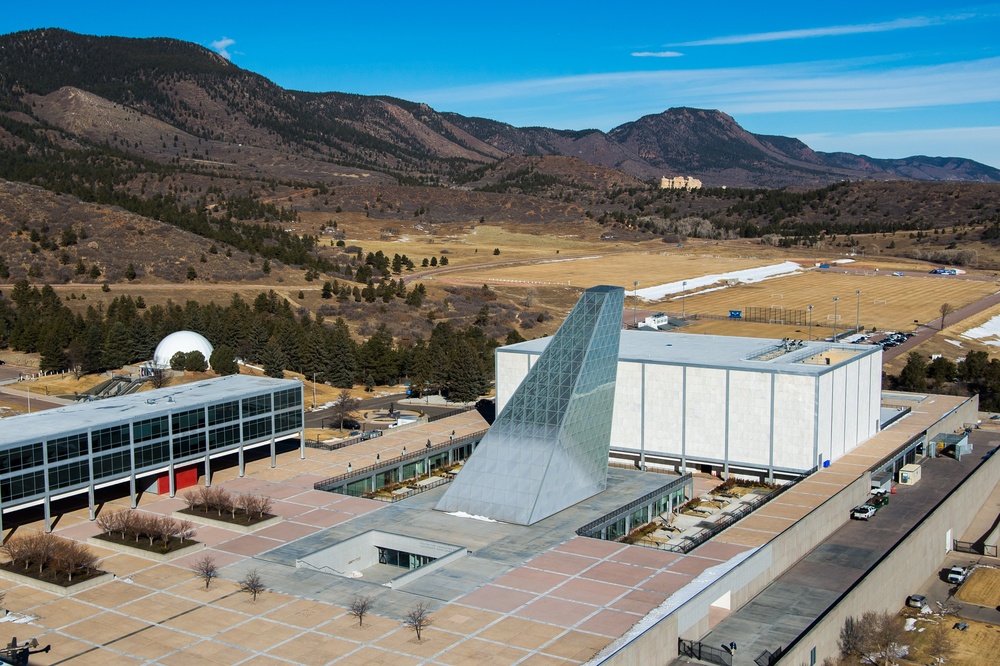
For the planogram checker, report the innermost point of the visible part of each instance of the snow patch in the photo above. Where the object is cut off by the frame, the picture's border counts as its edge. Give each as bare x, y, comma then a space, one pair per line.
842, 261
17, 618
988, 333
911, 624
953, 342
746, 276
463, 514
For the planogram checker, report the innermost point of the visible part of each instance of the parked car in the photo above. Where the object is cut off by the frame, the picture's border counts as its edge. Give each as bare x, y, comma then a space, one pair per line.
863, 512
956, 575
916, 601
898, 273
879, 501
351, 424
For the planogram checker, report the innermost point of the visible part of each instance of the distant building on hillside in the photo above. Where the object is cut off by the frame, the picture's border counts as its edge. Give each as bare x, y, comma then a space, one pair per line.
679, 183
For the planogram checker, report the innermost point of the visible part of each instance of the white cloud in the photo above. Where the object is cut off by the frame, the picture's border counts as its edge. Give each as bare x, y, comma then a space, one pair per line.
221, 46
815, 86
657, 54
828, 31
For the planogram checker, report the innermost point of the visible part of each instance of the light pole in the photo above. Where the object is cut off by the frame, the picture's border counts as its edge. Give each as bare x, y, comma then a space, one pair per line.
857, 322
684, 286
314, 390
635, 298
810, 323
835, 299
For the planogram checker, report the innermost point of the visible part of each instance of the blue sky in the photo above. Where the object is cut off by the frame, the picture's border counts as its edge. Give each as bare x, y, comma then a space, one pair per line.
886, 79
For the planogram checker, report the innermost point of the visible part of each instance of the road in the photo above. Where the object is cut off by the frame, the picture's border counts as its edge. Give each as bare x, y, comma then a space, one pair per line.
926, 331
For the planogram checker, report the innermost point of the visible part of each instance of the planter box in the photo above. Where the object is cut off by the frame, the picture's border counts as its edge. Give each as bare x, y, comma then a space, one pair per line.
52, 587
208, 520
191, 547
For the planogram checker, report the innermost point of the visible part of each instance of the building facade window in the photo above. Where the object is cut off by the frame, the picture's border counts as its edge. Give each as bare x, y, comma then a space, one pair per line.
69, 474
152, 454
286, 399
257, 404
224, 412
287, 421
23, 485
189, 445
64, 448
21, 457
112, 464
143, 431
189, 420
224, 436
256, 429
109, 438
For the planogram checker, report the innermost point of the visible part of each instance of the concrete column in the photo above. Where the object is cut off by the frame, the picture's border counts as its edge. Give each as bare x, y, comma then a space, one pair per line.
642, 421
274, 454
208, 471
172, 476
242, 461
90, 499
133, 499
302, 444
48, 513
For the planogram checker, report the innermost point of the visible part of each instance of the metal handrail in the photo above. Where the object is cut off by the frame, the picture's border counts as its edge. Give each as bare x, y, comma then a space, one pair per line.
395, 462
627, 508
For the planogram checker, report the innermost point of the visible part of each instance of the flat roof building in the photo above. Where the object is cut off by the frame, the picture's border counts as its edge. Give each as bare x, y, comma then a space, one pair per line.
719, 403
82, 447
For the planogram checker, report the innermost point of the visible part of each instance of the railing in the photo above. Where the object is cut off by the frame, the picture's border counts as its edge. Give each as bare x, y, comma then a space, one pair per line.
392, 463
413, 490
974, 548
453, 412
694, 649
767, 658
611, 516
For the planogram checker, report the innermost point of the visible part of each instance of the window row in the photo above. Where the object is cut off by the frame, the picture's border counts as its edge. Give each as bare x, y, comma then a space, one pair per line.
257, 404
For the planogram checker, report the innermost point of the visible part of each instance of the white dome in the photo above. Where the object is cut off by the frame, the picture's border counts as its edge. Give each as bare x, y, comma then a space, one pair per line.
181, 341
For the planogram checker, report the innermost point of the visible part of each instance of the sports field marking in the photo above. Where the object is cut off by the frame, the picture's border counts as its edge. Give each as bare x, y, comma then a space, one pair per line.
879, 301
777, 295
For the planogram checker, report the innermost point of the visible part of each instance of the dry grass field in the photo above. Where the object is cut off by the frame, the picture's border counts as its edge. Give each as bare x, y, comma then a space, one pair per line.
648, 268
982, 588
977, 646
887, 302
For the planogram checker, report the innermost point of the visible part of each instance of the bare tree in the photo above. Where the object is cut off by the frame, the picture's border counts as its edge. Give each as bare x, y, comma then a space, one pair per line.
359, 607
254, 506
886, 634
159, 378
418, 619
206, 569
852, 638
253, 584
945, 309
344, 405
940, 646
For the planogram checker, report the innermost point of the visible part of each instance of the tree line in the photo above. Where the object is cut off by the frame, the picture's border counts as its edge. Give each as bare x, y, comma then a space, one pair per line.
266, 332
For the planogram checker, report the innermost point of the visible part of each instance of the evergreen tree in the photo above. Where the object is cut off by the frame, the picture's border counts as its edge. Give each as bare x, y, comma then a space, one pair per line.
343, 369
274, 361
53, 356
223, 361
118, 346
466, 378
194, 361
914, 374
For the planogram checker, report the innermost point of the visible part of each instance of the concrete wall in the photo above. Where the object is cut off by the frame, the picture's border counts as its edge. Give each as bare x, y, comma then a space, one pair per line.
658, 643
916, 559
748, 418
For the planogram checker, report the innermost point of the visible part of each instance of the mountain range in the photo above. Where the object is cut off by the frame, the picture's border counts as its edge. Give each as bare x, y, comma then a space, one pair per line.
175, 102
